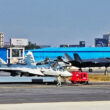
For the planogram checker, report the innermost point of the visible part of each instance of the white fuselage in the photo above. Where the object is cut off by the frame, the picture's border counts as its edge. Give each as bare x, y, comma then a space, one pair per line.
34, 71
52, 72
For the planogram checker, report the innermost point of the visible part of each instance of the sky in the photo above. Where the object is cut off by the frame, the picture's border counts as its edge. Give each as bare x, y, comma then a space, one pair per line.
55, 22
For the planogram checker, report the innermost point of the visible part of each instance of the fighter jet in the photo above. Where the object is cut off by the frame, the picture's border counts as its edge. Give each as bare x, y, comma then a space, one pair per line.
53, 68
28, 67
82, 63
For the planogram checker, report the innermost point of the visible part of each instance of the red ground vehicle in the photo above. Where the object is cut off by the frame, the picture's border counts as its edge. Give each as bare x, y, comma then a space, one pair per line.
79, 77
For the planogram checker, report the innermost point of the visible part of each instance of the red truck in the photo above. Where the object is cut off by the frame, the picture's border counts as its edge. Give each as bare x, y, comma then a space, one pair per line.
79, 77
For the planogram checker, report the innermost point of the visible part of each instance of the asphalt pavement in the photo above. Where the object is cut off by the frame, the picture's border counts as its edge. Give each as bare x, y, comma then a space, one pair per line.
36, 93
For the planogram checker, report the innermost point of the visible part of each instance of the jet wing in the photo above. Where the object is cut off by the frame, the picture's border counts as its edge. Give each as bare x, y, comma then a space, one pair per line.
99, 60
28, 67
33, 71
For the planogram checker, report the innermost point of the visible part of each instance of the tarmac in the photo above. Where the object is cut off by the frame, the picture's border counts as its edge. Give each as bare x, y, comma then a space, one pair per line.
36, 93
94, 96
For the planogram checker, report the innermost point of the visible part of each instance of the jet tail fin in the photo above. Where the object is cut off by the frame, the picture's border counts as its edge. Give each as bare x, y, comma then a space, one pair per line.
29, 59
68, 57
77, 58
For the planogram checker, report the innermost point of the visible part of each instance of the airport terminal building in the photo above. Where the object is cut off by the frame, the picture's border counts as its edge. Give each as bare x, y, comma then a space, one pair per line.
84, 52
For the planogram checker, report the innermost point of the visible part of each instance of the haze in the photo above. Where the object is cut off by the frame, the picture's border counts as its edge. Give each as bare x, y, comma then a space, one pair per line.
55, 22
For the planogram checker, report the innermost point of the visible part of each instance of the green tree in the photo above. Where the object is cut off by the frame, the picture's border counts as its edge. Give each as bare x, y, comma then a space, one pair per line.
32, 46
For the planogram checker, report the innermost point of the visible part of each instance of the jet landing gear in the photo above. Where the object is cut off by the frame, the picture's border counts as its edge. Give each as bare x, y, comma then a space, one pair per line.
90, 70
26, 74
106, 71
19, 74
14, 73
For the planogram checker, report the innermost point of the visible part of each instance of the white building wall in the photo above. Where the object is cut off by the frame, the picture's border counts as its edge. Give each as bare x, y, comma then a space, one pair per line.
1, 40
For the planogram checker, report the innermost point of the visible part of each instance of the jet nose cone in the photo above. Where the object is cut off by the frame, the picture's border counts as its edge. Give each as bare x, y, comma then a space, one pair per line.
67, 74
